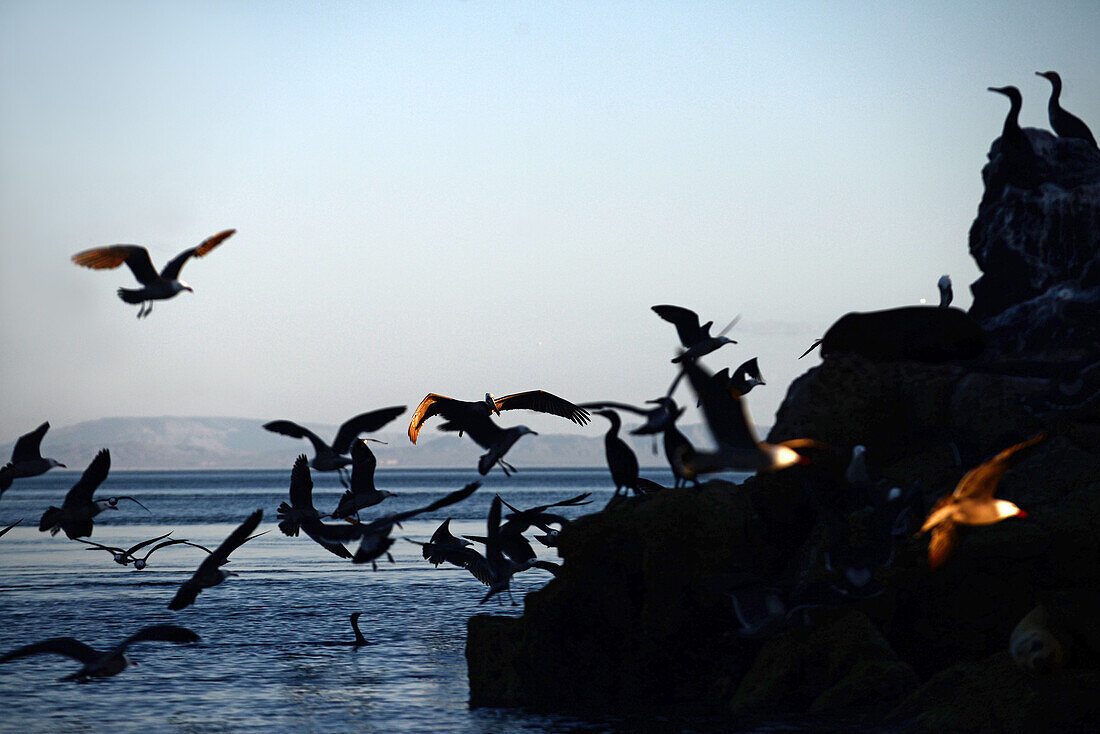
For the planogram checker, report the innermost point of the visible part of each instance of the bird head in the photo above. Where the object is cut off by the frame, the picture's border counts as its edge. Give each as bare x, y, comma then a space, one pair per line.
182, 286
1011, 92
491, 404
56, 463
1051, 76
139, 564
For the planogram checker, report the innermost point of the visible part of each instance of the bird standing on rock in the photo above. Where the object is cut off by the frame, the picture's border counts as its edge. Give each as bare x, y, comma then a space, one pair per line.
1066, 125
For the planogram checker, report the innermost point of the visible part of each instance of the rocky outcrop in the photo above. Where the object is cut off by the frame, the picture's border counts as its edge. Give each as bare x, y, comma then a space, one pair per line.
804, 592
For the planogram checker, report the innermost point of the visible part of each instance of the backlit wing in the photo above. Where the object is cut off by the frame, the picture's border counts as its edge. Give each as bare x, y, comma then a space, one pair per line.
172, 269
543, 402
432, 404
135, 256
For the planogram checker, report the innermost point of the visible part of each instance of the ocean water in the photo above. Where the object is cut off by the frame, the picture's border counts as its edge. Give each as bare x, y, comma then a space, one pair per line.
274, 653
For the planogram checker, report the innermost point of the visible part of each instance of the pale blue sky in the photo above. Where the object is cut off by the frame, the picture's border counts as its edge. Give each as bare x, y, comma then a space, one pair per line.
457, 197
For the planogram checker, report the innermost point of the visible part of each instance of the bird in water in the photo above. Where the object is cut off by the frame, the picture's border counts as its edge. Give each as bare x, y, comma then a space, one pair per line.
300, 514
972, 503
1065, 124
621, 460
473, 417
155, 287
210, 572
26, 458
97, 664
76, 512
362, 492
695, 339
125, 556
1018, 164
334, 458
375, 540
359, 639
738, 448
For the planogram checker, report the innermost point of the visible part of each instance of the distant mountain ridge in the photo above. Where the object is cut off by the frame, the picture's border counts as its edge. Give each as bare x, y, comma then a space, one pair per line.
185, 442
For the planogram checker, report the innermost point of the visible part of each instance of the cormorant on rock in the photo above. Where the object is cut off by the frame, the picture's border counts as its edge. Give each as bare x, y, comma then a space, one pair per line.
1017, 156
620, 457
1063, 123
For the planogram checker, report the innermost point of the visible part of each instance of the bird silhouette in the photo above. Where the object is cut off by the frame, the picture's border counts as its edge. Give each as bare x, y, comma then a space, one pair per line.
78, 509
26, 458
300, 514
362, 493
155, 286
210, 572
1064, 123
695, 338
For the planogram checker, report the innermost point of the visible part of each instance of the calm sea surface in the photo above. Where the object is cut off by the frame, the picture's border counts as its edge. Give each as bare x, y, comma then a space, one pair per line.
273, 655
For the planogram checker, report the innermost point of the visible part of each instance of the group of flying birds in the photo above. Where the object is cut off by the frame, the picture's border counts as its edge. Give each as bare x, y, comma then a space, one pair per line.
507, 551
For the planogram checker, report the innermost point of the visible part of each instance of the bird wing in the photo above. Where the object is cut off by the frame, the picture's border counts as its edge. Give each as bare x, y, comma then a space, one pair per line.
723, 410
685, 320
941, 544
98, 546
292, 429
363, 423
9, 527
172, 269
27, 448
301, 484
320, 533
235, 540
432, 404
144, 543
609, 405
93, 476
543, 402
67, 646
448, 499
494, 553
982, 480
363, 464
135, 256
173, 541
159, 633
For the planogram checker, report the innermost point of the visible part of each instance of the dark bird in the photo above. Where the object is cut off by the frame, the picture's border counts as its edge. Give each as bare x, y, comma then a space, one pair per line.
362, 493
375, 540
518, 521
359, 639
154, 287
333, 458
695, 339
946, 294
125, 556
621, 460
443, 542
473, 417
656, 418
9, 527
26, 458
972, 503
1062, 122
1018, 166
76, 512
102, 664
496, 570
300, 514
744, 378
738, 447
209, 572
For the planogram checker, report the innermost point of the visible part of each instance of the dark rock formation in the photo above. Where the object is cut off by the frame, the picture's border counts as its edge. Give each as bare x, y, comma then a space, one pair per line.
920, 333
645, 614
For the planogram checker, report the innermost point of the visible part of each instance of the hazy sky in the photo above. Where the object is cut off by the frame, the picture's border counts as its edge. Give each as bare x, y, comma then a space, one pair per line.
457, 197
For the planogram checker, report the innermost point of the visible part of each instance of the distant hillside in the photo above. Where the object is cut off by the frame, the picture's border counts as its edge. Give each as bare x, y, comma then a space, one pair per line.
173, 442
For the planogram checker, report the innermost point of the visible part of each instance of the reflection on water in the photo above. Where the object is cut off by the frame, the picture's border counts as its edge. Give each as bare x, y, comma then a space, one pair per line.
269, 659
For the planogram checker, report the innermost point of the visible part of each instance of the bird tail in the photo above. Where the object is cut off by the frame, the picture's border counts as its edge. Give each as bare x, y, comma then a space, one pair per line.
130, 296
7, 476
289, 524
51, 520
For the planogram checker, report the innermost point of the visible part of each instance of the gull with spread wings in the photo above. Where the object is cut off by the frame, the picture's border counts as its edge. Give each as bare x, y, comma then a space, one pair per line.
26, 458
154, 286
209, 572
474, 418
333, 458
77, 510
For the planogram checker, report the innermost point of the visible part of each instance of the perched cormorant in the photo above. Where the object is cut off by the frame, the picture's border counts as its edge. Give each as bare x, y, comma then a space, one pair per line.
1062, 122
473, 417
362, 493
333, 458
209, 573
695, 339
155, 287
1018, 164
26, 458
76, 512
101, 664
300, 514
620, 457
946, 294
972, 503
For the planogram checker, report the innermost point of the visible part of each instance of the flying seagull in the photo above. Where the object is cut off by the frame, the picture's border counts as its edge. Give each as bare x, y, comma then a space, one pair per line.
102, 664
209, 572
362, 493
333, 458
729, 424
695, 339
972, 503
300, 514
375, 536
444, 546
26, 458
125, 556
155, 287
76, 512
473, 417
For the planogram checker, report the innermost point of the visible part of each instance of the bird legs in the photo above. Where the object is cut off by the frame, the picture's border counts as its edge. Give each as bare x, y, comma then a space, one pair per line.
507, 468
145, 309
